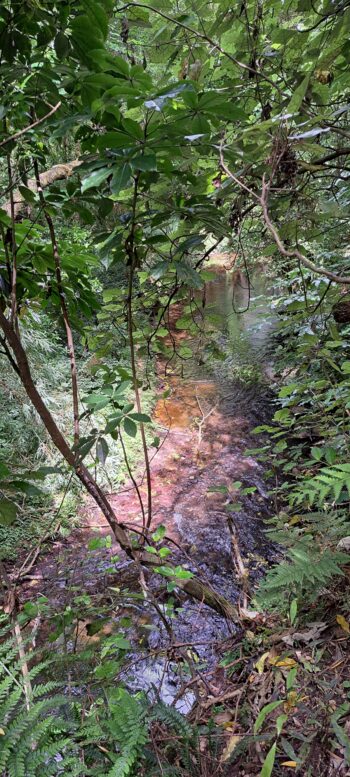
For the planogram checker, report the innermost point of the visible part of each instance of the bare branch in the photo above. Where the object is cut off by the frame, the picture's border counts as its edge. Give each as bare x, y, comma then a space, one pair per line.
262, 199
31, 126
204, 36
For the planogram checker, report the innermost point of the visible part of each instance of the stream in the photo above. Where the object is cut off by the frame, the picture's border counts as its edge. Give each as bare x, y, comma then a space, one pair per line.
204, 424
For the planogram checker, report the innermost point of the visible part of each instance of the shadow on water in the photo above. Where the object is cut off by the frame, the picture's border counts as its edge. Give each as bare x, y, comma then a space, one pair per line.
204, 425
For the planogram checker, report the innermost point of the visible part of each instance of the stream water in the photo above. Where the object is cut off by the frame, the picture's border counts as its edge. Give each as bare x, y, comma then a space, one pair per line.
204, 424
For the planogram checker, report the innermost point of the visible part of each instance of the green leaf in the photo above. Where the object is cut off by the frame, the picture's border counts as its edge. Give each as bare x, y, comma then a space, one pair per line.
121, 643
61, 45
146, 162
120, 179
114, 140
282, 416
293, 610
24, 487
4, 470
97, 542
141, 417
267, 766
182, 574
280, 723
97, 401
159, 533
8, 512
27, 195
298, 96
264, 712
85, 445
291, 677
130, 427
97, 15
317, 453
95, 178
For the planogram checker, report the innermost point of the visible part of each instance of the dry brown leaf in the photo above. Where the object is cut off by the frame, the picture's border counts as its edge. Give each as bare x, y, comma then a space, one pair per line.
307, 635
223, 717
291, 764
291, 701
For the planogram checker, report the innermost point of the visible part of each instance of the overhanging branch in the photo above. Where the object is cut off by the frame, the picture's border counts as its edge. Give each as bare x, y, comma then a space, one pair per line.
262, 199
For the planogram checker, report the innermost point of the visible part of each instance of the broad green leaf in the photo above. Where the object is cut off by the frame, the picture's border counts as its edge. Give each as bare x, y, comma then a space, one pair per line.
28, 195
120, 178
8, 512
159, 533
97, 15
114, 140
141, 417
95, 178
61, 45
130, 427
146, 162
4, 470
268, 764
298, 95
24, 487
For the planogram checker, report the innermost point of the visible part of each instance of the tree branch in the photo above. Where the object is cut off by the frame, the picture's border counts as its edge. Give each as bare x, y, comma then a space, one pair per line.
204, 36
193, 587
64, 309
262, 199
31, 126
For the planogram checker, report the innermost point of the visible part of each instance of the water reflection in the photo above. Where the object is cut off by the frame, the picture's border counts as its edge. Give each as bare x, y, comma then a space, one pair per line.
240, 304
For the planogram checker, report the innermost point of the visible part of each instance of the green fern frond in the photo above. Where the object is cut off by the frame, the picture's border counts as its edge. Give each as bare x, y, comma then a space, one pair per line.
328, 482
173, 719
123, 765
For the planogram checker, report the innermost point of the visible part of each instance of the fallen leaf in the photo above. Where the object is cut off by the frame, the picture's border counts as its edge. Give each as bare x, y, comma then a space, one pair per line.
2, 732
250, 615
342, 622
223, 717
291, 701
230, 747
291, 764
307, 635
286, 662
260, 663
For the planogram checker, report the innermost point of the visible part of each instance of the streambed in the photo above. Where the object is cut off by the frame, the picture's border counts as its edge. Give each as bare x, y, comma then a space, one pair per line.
205, 422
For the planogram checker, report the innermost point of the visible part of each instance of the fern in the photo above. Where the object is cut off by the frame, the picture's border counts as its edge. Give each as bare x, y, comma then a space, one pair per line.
46, 736
33, 741
173, 719
312, 558
329, 482
179, 727
128, 727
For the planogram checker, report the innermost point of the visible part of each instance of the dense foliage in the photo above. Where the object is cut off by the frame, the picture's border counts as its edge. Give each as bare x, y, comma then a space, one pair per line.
136, 141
